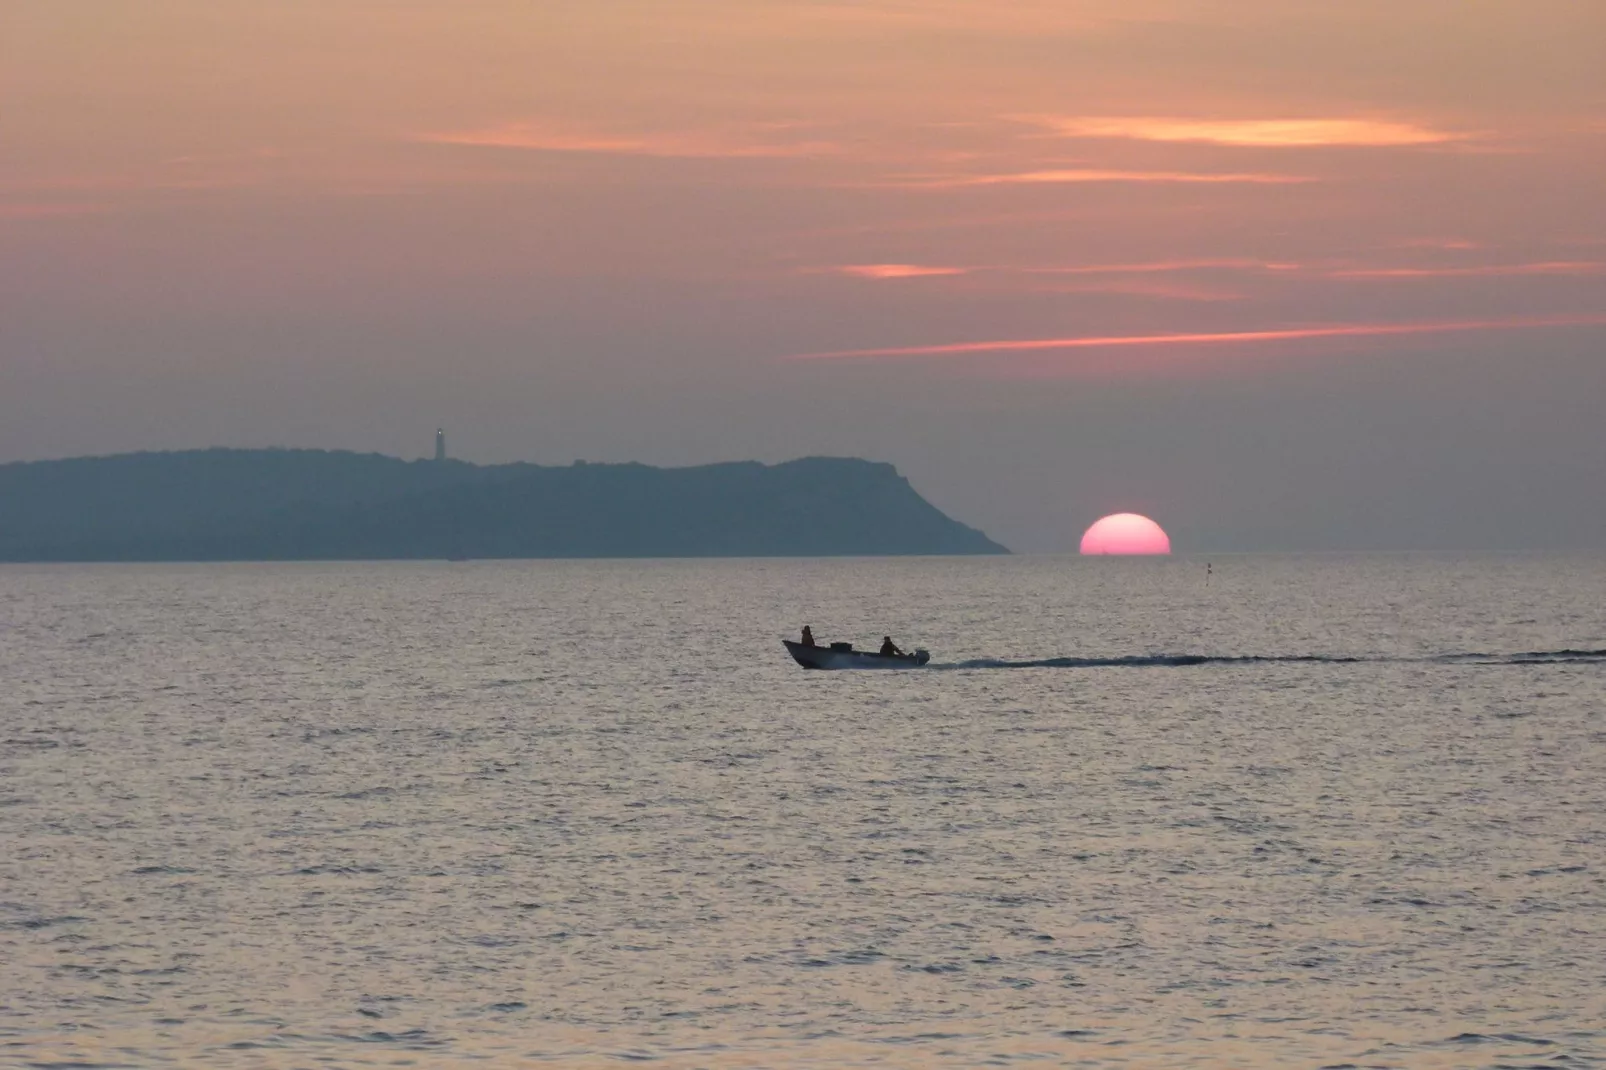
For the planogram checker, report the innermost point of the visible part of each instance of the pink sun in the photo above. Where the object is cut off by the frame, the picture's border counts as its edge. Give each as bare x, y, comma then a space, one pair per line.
1126, 533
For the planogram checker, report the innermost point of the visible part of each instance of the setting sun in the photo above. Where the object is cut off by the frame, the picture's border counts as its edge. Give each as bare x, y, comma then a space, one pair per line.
1126, 533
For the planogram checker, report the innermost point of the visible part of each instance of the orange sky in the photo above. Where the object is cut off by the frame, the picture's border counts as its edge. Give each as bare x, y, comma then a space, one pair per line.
590, 228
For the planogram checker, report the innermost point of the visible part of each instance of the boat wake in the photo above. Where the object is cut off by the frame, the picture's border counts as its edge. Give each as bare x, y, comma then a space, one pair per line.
1144, 661
1532, 657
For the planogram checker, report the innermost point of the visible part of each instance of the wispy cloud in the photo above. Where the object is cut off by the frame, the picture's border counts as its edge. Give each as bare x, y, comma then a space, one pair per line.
1155, 267
1167, 266
1096, 175
1454, 245
541, 137
1550, 267
1120, 281
1136, 287
1363, 330
1034, 17
1110, 273
898, 271
1254, 133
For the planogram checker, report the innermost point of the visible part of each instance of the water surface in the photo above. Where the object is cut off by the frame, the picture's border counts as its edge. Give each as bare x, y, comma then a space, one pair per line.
1313, 811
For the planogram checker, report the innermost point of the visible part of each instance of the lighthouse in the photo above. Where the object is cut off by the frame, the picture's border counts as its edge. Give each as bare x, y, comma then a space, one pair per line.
440, 444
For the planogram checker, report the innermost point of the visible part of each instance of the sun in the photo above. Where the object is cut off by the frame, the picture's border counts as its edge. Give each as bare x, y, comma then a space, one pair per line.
1126, 533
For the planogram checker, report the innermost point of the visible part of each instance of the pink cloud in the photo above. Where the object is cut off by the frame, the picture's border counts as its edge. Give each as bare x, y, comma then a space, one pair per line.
1131, 288
1448, 244
1095, 175
1553, 267
1250, 133
550, 138
898, 271
1198, 338
906, 271
1164, 266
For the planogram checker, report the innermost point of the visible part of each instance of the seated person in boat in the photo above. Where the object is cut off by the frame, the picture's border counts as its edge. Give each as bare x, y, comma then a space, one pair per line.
808, 636
889, 649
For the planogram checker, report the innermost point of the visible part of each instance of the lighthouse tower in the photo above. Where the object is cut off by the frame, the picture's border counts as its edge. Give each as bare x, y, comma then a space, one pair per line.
440, 444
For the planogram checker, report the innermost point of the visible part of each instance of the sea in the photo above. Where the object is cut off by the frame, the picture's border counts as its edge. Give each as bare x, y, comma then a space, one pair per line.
1255, 811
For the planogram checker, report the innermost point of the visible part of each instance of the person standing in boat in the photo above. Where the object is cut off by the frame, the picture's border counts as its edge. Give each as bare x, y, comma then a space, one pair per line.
889, 649
808, 636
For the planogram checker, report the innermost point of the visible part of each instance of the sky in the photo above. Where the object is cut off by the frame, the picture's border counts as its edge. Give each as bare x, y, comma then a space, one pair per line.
1283, 276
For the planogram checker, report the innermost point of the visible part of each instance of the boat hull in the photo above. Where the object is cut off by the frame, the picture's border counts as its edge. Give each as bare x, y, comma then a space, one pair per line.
823, 657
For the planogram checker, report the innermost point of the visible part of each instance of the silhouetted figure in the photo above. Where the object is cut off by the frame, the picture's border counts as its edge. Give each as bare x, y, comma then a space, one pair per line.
808, 636
889, 649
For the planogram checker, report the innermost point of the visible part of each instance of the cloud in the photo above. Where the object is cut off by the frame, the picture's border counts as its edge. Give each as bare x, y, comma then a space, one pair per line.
1112, 272
897, 271
1034, 17
1254, 133
542, 137
1454, 245
1094, 175
1156, 267
1166, 266
1017, 345
1552, 267
1125, 287
1133, 288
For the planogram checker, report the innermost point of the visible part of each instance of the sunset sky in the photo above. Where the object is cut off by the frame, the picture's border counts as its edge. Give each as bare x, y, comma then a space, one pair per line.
1281, 275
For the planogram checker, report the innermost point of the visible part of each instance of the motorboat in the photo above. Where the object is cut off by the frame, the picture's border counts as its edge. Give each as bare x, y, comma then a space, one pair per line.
843, 656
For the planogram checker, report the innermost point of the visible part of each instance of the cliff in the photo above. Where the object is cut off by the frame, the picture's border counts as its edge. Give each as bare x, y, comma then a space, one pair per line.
237, 505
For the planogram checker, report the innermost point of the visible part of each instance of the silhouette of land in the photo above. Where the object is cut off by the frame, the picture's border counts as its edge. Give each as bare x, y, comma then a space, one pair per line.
246, 505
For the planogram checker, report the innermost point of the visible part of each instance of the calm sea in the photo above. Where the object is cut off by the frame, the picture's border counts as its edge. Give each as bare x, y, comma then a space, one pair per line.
1303, 811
